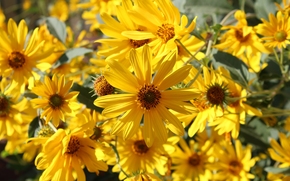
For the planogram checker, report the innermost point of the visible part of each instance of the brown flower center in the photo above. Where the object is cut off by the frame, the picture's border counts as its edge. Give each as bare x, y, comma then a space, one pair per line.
73, 145
102, 87
165, 32
97, 133
215, 94
194, 160
240, 37
56, 101
148, 97
4, 105
139, 147
138, 43
16, 60
45, 131
235, 167
280, 35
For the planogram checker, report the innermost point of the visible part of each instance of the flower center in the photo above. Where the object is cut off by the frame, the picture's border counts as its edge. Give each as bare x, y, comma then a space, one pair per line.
235, 167
280, 36
165, 32
97, 133
73, 145
45, 131
148, 97
138, 43
102, 87
139, 147
194, 159
240, 37
4, 105
56, 101
215, 94
16, 60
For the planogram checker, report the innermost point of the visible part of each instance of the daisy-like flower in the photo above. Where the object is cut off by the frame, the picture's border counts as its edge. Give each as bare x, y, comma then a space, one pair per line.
163, 23
241, 41
146, 97
19, 58
143, 177
2, 20
56, 100
233, 164
15, 113
211, 101
279, 152
98, 7
60, 10
276, 32
236, 109
66, 152
286, 9
191, 162
137, 157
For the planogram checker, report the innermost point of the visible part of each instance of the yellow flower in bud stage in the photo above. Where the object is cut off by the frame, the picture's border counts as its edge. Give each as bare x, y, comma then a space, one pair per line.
56, 100
137, 157
60, 10
236, 109
242, 42
163, 25
69, 151
276, 32
19, 56
146, 97
280, 152
98, 7
233, 164
191, 162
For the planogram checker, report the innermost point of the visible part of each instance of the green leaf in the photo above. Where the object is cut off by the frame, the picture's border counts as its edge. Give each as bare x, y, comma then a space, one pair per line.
34, 124
57, 28
237, 68
208, 6
275, 170
86, 96
70, 54
264, 7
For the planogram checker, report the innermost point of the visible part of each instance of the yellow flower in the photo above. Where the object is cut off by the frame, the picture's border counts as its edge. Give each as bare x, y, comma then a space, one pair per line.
60, 10
98, 7
286, 8
143, 177
242, 42
163, 23
19, 58
233, 164
191, 162
66, 152
146, 96
276, 32
2, 20
280, 152
56, 100
15, 112
136, 157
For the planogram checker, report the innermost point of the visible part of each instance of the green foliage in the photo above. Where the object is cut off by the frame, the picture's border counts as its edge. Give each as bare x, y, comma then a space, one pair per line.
57, 28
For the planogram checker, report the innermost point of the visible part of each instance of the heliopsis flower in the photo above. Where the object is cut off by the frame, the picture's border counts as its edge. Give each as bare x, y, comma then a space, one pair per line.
276, 32
60, 10
136, 157
241, 41
286, 9
98, 7
56, 100
191, 162
2, 20
15, 112
66, 152
236, 109
277, 177
279, 152
233, 164
163, 23
211, 101
143, 177
146, 97
19, 56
